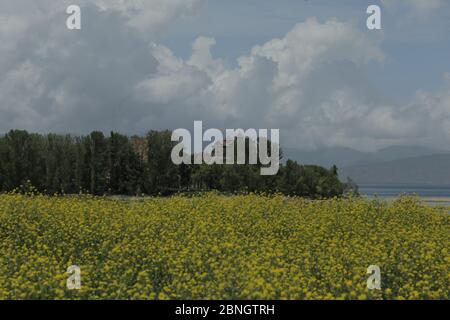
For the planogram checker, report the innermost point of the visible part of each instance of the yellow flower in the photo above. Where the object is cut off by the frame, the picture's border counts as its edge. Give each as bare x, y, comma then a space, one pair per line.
218, 247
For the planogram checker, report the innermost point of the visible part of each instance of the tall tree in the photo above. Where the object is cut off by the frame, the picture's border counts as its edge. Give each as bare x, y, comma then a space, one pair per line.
96, 162
163, 175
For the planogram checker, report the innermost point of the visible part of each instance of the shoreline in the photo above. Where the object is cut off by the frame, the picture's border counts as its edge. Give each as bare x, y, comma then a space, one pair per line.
432, 201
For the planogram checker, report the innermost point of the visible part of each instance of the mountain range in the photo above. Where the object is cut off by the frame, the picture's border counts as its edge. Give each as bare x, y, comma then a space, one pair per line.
393, 165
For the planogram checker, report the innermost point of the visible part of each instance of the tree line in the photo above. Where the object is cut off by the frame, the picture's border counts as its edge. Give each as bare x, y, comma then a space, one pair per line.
121, 165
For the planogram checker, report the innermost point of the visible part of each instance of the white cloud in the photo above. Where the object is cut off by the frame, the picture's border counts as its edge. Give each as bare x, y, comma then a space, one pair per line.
310, 83
283, 83
174, 82
150, 15
57, 80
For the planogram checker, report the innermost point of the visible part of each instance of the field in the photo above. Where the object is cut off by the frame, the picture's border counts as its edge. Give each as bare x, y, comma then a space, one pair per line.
216, 247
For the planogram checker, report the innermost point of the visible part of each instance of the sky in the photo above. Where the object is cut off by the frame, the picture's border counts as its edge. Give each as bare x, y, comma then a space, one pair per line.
310, 68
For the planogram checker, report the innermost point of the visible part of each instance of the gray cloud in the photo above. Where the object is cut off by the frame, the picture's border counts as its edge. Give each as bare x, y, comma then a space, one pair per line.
55, 79
115, 74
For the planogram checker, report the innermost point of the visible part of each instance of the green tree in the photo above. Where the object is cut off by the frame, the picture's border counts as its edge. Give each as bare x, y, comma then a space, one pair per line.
96, 163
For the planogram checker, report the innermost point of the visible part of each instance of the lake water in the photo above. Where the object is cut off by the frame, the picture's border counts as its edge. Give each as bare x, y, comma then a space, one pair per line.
433, 195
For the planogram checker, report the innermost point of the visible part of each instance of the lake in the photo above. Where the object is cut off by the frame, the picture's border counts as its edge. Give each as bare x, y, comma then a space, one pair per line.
433, 195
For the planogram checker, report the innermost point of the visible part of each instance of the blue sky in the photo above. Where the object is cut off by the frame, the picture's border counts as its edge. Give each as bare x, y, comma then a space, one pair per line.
417, 47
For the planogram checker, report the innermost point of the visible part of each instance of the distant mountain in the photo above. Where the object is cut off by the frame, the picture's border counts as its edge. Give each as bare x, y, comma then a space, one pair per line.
423, 170
345, 157
324, 157
403, 152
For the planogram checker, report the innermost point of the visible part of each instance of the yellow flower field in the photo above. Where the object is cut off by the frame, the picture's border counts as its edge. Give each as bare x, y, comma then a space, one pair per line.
217, 247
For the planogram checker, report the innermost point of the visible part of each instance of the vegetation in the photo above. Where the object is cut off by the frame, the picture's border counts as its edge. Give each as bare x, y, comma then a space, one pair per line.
217, 247
124, 165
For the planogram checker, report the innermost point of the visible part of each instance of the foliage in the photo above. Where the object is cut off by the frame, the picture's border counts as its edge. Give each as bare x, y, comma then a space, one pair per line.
119, 165
217, 247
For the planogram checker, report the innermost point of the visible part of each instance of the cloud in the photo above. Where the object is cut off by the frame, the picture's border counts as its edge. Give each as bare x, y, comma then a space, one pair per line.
433, 110
114, 74
151, 15
150, 18
20, 87
59, 80
146, 15
174, 82
418, 7
302, 83
310, 83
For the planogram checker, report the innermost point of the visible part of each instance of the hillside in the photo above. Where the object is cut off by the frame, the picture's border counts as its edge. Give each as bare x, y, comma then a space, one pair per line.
430, 169
345, 157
